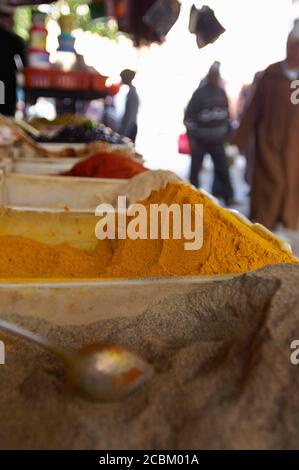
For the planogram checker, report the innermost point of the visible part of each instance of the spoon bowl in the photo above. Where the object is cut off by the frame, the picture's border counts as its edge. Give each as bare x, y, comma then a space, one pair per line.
106, 372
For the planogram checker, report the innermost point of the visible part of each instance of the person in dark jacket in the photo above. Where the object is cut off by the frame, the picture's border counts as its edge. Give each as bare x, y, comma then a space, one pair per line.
11, 46
128, 125
207, 122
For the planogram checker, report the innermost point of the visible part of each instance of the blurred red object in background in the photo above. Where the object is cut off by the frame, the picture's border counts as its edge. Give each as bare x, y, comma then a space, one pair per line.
184, 144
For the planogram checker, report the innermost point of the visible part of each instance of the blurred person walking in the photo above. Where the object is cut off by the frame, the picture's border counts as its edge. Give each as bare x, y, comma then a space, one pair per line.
273, 120
207, 123
128, 125
11, 46
244, 98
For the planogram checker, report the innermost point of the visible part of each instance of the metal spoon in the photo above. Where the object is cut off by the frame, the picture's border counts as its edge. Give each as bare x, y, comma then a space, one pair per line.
96, 372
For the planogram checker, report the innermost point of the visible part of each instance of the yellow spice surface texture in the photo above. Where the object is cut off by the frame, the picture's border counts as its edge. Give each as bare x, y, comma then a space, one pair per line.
229, 246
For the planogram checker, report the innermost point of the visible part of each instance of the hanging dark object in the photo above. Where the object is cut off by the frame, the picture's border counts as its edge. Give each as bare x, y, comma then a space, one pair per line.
133, 24
97, 10
102, 9
162, 16
205, 25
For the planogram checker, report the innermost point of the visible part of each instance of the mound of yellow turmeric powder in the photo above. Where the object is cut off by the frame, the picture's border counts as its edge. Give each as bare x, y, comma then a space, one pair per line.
22, 258
229, 246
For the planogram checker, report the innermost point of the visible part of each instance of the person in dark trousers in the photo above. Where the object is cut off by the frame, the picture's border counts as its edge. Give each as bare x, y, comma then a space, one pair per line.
207, 122
11, 46
128, 125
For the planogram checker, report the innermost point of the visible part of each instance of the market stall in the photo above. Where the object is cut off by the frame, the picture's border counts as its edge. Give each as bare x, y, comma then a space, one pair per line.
42, 79
165, 318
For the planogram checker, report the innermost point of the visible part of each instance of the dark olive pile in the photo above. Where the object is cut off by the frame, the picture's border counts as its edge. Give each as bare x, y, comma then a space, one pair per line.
84, 134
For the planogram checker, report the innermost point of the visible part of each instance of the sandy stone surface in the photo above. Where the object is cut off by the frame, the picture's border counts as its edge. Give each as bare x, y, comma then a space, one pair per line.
223, 377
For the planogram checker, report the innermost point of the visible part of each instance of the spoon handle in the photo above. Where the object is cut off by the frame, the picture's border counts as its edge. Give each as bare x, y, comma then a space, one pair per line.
35, 338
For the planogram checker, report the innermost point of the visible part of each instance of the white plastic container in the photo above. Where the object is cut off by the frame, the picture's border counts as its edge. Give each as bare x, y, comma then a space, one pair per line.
27, 161
54, 192
83, 301
79, 301
43, 166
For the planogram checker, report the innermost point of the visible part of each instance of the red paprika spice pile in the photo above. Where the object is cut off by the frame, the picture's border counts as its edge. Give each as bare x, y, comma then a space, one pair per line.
107, 165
